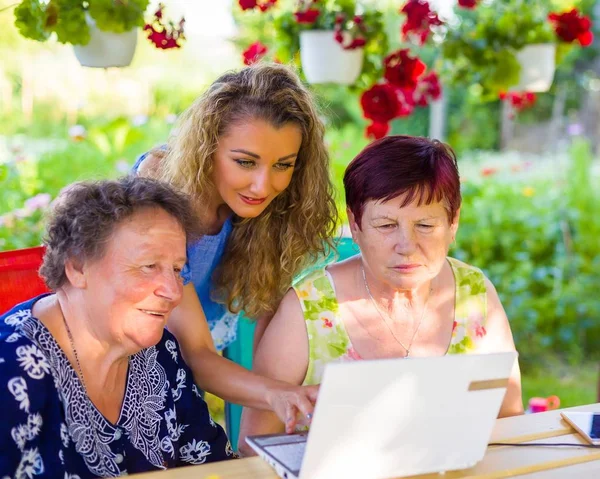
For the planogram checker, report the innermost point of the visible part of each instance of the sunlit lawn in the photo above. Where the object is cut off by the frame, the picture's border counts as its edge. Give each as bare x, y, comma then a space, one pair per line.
573, 384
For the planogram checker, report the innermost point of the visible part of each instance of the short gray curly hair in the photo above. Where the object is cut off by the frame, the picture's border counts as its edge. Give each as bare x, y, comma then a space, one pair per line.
86, 214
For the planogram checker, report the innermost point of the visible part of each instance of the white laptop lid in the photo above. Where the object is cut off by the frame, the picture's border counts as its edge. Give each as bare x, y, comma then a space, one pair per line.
401, 417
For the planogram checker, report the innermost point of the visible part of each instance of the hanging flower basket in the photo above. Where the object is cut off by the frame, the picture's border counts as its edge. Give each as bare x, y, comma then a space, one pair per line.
537, 67
106, 49
324, 60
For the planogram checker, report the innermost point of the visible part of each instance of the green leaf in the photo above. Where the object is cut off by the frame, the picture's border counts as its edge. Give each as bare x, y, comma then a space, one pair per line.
118, 17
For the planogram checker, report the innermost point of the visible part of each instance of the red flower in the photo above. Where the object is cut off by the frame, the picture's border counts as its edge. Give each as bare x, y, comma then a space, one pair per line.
308, 16
162, 34
470, 4
489, 171
428, 89
419, 20
571, 26
380, 103
254, 53
377, 130
247, 4
355, 35
402, 70
406, 101
265, 5
519, 100
327, 323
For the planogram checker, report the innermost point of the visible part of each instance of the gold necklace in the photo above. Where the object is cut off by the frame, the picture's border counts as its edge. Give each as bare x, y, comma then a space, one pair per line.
406, 348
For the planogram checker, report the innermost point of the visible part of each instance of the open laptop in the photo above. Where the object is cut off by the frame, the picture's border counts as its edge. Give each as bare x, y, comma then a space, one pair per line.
394, 418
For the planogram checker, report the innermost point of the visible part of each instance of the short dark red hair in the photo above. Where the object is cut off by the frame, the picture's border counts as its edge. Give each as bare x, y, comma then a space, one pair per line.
423, 169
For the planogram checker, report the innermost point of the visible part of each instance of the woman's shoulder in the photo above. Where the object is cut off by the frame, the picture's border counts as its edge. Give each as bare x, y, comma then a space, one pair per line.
468, 275
317, 280
461, 265
12, 320
26, 377
148, 163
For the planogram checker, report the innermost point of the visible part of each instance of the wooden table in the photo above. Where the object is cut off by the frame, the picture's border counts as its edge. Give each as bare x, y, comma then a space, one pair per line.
499, 462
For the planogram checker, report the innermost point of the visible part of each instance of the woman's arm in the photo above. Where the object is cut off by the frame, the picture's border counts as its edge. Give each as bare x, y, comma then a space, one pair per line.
282, 354
499, 338
259, 330
226, 379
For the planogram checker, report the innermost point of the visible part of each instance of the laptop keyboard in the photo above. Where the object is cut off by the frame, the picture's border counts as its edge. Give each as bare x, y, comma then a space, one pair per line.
279, 439
290, 455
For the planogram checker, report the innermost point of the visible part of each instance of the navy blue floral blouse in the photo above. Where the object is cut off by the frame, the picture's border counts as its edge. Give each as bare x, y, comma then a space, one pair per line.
49, 427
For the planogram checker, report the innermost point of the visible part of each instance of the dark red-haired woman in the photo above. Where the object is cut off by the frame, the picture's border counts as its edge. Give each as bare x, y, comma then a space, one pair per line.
402, 296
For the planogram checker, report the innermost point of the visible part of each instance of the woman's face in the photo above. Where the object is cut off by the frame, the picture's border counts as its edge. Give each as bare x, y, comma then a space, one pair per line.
131, 291
254, 163
404, 246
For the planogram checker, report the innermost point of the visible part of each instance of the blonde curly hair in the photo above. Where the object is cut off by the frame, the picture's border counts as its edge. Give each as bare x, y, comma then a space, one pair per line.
263, 254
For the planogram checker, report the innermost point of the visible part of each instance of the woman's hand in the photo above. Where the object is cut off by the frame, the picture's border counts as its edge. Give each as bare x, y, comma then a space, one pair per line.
294, 405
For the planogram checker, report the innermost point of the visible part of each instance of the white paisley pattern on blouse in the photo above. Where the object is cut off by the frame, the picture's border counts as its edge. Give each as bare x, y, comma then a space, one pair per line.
17, 386
18, 318
27, 432
195, 452
31, 464
92, 434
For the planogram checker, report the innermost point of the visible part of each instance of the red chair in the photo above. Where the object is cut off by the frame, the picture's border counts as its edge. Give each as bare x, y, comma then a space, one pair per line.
19, 279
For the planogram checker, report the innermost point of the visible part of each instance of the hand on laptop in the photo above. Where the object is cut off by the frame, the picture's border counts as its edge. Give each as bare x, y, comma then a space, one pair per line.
294, 405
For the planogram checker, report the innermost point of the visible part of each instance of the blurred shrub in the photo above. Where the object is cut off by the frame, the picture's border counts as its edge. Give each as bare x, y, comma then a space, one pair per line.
538, 243
108, 150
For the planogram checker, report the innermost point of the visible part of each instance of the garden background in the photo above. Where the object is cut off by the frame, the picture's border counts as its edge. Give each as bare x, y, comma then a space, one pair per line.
531, 206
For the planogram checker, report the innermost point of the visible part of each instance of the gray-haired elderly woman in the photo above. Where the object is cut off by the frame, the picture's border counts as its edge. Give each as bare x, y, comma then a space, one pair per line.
91, 383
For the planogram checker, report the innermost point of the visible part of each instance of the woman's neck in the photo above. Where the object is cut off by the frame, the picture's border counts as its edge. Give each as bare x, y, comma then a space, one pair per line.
393, 300
213, 215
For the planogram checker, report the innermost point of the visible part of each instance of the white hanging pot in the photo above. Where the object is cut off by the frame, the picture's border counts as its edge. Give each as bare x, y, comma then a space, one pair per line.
106, 49
538, 63
325, 61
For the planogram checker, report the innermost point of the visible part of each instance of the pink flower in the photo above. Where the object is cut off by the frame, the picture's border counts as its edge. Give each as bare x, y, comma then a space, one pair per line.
38, 202
351, 355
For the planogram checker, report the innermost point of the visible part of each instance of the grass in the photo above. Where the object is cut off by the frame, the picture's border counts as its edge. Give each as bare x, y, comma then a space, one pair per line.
574, 384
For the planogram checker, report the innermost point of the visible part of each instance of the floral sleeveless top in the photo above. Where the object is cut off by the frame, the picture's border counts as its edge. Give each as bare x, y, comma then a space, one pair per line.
329, 340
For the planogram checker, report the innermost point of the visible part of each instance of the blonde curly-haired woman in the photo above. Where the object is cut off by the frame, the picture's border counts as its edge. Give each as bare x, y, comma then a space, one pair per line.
250, 152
